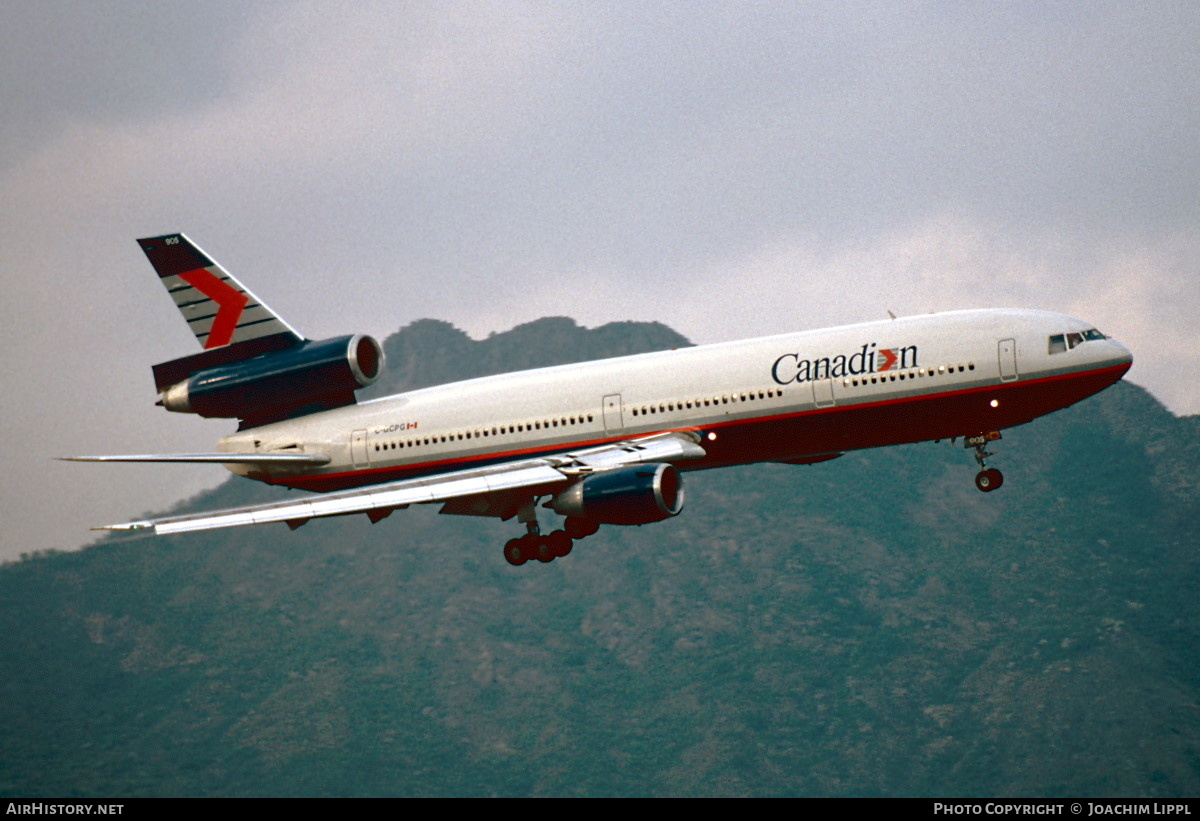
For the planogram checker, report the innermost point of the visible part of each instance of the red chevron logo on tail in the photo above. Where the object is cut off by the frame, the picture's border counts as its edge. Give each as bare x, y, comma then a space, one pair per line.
230, 303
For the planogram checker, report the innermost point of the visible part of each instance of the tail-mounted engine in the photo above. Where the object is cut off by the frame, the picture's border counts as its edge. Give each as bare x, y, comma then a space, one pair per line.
271, 378
633, 495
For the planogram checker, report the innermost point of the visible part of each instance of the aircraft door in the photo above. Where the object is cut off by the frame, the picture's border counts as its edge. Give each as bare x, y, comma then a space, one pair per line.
823, 393
1007, 351
358, 449
613, 423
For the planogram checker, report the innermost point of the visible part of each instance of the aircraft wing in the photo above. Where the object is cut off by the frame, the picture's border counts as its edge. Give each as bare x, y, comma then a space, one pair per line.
484, 482
293, 459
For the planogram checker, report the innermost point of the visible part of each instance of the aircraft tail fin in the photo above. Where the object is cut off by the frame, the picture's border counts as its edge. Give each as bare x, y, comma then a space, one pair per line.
219, 309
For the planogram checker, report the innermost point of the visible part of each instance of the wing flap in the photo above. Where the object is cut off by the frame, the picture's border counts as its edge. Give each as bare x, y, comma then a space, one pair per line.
666, 447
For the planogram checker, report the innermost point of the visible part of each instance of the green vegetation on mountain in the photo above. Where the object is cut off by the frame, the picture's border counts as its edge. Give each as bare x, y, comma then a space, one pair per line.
869, 626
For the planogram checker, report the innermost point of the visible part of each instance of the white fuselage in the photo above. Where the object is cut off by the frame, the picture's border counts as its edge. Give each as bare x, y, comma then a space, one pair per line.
792, 397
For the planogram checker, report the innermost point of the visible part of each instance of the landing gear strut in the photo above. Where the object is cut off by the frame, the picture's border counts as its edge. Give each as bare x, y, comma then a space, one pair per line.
533, 545
988, 479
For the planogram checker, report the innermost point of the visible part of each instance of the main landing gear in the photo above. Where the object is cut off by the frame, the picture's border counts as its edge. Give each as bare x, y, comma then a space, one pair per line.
533, 545
988, 479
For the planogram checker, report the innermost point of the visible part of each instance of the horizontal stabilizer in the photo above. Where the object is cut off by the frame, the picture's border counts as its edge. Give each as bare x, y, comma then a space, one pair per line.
297, 459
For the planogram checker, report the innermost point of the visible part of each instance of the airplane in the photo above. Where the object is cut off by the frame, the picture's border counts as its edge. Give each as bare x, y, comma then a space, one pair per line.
602, 442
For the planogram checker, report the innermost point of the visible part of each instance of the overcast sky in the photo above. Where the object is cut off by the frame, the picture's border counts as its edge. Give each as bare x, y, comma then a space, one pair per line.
729, 169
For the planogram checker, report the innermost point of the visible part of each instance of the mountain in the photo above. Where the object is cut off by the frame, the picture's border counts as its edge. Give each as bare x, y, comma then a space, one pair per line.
868, 626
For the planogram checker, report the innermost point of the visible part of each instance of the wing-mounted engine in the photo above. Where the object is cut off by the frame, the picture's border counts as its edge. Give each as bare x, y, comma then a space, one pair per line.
271, 378
632, 495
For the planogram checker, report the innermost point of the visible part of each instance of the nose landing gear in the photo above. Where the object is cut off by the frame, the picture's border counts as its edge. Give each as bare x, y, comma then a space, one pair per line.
988, 479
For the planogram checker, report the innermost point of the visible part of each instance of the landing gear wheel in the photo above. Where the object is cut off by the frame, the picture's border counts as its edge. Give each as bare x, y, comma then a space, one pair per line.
559, 542
514, 552
542, 550
988, 480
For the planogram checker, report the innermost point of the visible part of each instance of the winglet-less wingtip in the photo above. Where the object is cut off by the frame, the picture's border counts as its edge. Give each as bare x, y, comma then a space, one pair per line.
126, 527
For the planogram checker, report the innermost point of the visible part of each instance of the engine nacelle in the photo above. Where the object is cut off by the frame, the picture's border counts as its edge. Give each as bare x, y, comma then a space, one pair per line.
633, 495
278, 384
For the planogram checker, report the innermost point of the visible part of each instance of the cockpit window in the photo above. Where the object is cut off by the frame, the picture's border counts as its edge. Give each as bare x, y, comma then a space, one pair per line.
1065, 342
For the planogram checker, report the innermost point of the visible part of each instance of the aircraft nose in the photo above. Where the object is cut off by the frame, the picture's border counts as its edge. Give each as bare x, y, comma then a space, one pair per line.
1120, 354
